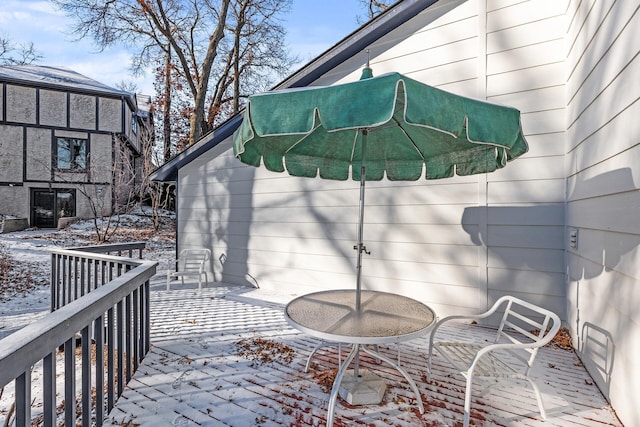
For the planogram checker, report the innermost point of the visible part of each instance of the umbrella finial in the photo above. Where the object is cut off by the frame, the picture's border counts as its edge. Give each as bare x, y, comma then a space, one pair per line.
367, 72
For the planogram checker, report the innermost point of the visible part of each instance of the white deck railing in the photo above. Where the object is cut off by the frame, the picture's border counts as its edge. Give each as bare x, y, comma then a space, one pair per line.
100, 305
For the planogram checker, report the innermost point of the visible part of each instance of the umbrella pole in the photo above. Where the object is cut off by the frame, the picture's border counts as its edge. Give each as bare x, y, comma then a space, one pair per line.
360, 246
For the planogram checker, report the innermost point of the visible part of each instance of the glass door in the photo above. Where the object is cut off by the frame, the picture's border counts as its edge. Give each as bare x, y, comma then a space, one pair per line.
50, 205
43, 208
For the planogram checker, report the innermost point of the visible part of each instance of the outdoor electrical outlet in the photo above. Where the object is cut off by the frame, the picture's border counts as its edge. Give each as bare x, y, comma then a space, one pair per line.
573, 238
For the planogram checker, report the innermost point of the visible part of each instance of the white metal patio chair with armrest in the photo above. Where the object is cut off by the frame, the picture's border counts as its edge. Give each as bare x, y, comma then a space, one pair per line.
524, 328
191, 263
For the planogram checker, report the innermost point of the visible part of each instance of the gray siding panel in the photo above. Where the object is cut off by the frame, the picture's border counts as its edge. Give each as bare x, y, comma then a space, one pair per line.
603, 192
427, 239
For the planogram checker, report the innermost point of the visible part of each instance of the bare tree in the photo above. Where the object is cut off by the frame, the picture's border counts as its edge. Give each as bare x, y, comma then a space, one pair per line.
220, 50
11, 54
107, 206
157, 194
374, 8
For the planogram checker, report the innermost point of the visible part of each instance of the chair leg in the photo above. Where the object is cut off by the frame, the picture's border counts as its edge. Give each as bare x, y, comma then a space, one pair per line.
536, 390
168, 280
467, 402
206, 280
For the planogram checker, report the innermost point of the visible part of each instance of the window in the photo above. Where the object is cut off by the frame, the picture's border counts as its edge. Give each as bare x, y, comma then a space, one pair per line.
72, 154
65, 203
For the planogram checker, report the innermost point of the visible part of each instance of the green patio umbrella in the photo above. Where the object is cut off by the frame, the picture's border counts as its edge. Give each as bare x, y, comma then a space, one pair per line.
389, 125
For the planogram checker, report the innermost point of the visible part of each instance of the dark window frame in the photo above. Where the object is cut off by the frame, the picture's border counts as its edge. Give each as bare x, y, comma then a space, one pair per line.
78, 154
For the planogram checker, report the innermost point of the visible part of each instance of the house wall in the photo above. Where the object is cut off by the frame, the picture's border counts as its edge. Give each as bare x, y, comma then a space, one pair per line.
603, 196
525, 203
456, 244
31, 119
53, 110
11, 155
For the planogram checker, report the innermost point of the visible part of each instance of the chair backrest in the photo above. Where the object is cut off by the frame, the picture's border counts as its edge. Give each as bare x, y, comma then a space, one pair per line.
193, 259
526, 324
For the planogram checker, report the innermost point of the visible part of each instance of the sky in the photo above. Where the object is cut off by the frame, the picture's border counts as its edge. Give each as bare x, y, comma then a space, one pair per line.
312, 27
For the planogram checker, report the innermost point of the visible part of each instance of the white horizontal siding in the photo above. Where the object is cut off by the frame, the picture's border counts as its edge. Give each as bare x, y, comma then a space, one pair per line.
610, 102
603, 192
531, 78
615, 212
603, 42
427, 239
551, 144
522, 236
536, 100
532, 259
515, 14
534, 55
530, 33
539, 191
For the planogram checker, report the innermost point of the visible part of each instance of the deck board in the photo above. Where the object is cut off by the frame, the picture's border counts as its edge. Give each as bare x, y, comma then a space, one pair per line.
194, 340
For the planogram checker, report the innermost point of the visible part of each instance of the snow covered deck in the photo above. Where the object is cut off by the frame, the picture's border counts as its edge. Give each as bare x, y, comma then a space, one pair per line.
227, 357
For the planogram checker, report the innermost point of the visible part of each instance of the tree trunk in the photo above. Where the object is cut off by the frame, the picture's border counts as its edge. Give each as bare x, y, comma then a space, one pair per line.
166, 114
198, 123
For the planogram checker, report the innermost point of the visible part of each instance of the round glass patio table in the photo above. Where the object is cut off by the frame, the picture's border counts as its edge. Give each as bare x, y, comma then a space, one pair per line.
383, 318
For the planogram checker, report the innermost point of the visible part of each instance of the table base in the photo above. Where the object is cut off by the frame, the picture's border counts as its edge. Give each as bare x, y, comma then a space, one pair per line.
364, 389
343, 369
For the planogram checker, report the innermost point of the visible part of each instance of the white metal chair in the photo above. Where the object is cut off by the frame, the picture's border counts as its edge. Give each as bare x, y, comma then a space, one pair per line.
524, 328
191, 262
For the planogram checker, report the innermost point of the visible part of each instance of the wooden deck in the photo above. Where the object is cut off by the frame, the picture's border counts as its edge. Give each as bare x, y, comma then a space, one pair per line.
227, 357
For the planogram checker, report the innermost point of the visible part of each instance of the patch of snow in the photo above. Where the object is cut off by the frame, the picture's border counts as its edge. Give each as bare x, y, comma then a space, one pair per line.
25, 294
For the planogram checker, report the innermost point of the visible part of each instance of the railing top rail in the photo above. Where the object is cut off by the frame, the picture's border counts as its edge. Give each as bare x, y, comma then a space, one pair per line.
22, 349
110, 247
80, 253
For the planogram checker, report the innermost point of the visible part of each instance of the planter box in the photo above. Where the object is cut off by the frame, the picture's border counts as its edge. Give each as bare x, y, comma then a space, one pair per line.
63, 222
8, 225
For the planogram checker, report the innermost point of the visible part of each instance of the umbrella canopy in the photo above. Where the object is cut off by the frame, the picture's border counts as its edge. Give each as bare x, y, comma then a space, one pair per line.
411, 126
388, 125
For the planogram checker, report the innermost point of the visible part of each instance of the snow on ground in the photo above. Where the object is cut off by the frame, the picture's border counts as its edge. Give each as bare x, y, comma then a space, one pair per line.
25, 268
203, 367
24, 285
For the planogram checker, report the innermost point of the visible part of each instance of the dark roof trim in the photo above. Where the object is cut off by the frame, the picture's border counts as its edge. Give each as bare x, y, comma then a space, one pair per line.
351, 45
169, 171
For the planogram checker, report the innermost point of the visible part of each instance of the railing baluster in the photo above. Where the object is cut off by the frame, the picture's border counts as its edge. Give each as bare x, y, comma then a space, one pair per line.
75, 281
95, 263
136, 328
23, 399
70, 381
49, 389
147, 316
110, 361
63, 280
99, 346
83, 278
54, 281
120, 335
86, 377
103, 273
127, 336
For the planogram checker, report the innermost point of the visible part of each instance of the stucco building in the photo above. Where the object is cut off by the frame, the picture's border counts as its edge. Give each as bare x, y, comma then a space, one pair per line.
69, 145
